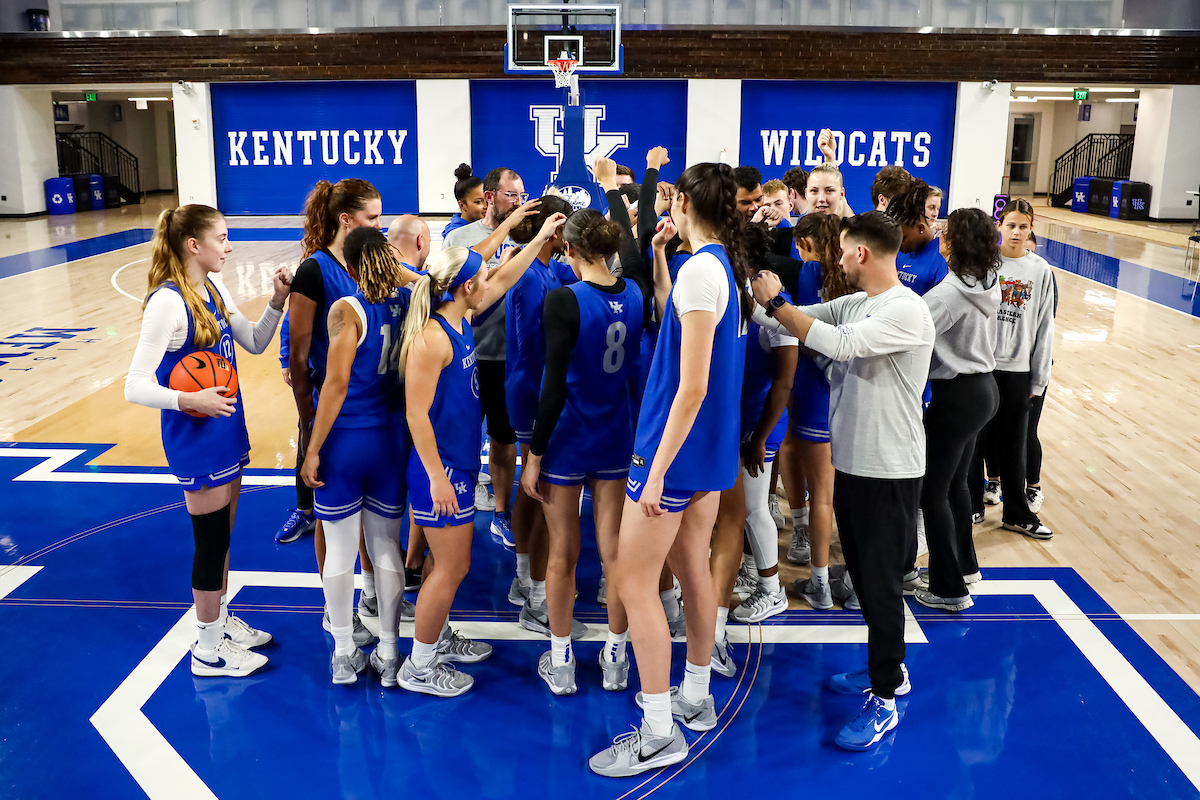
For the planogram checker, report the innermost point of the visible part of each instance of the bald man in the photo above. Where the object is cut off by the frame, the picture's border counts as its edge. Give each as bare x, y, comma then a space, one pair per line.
409, 236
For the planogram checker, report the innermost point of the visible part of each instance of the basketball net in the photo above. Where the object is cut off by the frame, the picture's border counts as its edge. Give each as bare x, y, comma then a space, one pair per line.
563, 69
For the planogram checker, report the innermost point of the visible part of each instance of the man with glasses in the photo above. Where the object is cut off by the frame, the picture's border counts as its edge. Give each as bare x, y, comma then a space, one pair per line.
504, 192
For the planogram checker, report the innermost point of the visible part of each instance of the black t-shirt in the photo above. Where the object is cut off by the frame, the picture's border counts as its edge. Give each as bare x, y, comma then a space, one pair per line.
309, 281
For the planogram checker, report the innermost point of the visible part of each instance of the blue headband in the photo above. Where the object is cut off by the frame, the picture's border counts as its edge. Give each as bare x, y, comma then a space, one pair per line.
470, 267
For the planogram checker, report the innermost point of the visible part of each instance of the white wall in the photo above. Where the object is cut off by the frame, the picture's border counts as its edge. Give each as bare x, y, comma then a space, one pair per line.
1106, 118
714, 121
195, 162
1043, 113
980, 135
443, 140
29, 157
1166, 150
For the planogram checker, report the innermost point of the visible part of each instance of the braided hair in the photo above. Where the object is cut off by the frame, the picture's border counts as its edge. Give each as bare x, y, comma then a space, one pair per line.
712, 190
908, 208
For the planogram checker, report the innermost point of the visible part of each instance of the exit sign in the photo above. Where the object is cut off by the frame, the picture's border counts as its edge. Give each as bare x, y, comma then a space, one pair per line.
1081, 94
92, 96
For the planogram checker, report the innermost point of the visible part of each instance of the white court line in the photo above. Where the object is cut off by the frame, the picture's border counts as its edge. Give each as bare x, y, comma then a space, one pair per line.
113, 281
13, 576
54, 458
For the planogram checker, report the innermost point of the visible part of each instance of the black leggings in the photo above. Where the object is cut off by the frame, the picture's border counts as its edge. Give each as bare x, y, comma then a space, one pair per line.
1003, 444
304, 494
1033, 449
957, 413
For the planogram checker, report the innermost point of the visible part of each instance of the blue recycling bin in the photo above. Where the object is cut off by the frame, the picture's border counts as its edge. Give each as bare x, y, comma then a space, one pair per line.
60, 196
95, 192
1080, 189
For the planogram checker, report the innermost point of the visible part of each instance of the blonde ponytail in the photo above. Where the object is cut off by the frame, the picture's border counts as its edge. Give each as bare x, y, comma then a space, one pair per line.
167, 263
427, 294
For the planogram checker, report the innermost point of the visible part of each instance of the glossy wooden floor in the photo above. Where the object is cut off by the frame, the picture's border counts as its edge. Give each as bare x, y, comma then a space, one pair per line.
1121, 427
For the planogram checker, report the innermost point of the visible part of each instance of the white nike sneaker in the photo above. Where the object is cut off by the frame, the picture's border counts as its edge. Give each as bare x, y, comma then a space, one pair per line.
345, 669
760, 605
245, 636
228, 659
639, 751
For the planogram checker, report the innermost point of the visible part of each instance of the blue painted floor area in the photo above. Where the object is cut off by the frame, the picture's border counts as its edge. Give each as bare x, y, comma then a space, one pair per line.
63, 253
1172, 291
1003, 704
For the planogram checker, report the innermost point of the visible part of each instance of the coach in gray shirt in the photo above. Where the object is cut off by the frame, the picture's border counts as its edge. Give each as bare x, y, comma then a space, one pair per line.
880, 340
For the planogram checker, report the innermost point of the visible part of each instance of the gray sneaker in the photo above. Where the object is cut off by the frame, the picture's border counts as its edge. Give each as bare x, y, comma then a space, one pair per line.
760, 605
561, 680
452, 646
917, 579
345, 669
388, 668
438, 679
700, 716
517, 593
747, 578
819, 597
368, 606
602, 592
721, 663
536, 619
408, 611
678, 623
776, 514
843, 592
931, 600
362, 636
615, 674
799, 551
638, 751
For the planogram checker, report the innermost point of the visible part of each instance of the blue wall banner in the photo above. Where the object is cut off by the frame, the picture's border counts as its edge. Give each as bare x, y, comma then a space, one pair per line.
910, 125
527, 126
274, 141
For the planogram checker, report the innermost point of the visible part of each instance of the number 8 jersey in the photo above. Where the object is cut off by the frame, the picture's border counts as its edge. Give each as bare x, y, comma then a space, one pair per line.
594, 434
374, 396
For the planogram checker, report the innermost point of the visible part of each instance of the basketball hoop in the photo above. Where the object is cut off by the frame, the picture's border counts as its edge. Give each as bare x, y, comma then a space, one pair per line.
563, 69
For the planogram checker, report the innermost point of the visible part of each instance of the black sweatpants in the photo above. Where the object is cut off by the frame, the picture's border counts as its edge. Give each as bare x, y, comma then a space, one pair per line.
877, 520
1004, 443
957, 413
1033, 450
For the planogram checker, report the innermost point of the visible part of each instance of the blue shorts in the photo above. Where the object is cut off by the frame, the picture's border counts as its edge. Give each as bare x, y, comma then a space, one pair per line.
809, 417
672, 500
569, 478
214, 479
774, 438
422, 502
362, 467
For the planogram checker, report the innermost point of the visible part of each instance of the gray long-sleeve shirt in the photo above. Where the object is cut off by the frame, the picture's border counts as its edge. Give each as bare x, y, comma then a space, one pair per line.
489, 335
880, 348
1025, 322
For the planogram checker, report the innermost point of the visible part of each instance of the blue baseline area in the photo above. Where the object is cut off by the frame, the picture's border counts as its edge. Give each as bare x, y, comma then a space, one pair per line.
61, 254
1172, 291
1003, 704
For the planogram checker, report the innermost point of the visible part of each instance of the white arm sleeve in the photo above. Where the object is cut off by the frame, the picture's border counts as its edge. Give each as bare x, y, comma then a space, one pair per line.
253, 337
164, 328
892, 327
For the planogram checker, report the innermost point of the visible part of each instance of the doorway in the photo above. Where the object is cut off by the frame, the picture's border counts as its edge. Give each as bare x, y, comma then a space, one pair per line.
1021, 162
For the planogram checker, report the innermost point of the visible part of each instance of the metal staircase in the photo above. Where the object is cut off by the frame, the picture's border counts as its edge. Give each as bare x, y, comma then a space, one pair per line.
1097, 155
93, 153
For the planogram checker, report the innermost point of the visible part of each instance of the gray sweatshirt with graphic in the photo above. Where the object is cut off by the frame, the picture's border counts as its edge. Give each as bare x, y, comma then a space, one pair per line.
1025, 322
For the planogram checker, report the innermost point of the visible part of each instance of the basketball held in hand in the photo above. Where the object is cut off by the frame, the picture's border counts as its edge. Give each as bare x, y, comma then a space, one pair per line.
201, 370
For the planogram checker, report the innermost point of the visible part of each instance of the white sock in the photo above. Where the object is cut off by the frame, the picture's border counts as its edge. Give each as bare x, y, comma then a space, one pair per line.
820, 575
722, 618
387, 649
523, 568
657, 708
748, 561
614, 647
670, 603
537, 593
560, 650
223, 616
800, 517
343, 640
209, 635
889, 703
368, 589
770, 583
695, 682
423, 654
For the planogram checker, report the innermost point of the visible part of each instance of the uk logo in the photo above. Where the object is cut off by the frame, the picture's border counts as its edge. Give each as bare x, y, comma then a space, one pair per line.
616, 307
1081, 197
551, 140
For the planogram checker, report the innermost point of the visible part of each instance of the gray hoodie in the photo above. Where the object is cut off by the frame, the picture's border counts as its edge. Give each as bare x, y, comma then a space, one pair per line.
1025, 323
964, 316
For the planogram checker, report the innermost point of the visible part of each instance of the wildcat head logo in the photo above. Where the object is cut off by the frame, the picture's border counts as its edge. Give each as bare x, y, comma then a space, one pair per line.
577, 196
1015, 293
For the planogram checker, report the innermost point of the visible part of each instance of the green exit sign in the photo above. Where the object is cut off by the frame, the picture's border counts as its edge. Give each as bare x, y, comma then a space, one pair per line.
92, 97
1081, 94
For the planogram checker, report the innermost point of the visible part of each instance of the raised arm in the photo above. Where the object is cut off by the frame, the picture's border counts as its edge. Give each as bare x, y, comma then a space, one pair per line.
662, 272
488, 247
507, 274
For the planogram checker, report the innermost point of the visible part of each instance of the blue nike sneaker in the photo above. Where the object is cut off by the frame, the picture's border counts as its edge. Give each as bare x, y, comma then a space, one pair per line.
871, 725
502, 531
297, 525
860, 683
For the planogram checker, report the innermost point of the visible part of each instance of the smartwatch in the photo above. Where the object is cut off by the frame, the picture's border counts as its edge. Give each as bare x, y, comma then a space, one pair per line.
774, 304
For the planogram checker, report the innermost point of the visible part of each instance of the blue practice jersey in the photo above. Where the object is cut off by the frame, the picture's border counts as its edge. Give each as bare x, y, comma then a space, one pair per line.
924, 269
525, 343
455, 413
708, 459
758, 375
198, 446
338, 284
374, 396
595, 429
810, 378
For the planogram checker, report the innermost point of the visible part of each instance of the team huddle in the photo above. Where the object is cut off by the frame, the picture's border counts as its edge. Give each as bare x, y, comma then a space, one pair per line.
674, 357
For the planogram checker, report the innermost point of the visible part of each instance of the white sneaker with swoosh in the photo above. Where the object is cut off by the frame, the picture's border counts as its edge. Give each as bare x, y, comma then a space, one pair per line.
227, 659
639, 751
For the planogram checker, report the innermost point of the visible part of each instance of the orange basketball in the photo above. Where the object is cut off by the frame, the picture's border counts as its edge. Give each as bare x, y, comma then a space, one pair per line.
200, 370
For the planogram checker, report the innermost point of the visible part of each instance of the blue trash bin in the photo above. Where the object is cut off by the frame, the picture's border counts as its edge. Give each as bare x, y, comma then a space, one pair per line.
95, 192
1080, 189
1114, 207
60, 196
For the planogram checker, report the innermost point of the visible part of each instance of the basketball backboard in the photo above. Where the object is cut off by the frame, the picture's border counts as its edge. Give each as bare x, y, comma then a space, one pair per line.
588, 34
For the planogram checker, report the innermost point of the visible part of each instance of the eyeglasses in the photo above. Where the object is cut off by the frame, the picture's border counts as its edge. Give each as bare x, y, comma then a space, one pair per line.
520, 198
